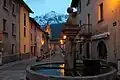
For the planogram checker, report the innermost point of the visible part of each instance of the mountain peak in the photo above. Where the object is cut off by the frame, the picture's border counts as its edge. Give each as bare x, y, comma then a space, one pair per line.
51, 17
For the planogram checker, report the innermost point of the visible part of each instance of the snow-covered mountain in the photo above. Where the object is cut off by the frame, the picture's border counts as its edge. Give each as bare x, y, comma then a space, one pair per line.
51, 18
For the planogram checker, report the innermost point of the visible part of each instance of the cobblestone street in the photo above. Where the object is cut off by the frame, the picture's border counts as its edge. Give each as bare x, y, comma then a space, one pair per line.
17, 70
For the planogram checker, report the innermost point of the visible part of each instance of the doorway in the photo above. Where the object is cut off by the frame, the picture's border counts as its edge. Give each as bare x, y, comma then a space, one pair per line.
102, 50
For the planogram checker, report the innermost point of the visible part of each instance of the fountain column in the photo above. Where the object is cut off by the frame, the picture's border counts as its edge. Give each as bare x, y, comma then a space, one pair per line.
70, 55
74, 57
67, 54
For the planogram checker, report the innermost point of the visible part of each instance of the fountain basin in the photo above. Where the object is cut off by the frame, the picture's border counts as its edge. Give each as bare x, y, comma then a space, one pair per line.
46, 71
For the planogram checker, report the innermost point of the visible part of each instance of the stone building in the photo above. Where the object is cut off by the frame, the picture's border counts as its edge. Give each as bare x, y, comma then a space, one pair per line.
9, 29
39, 39
99, 23
33, 26
24, 30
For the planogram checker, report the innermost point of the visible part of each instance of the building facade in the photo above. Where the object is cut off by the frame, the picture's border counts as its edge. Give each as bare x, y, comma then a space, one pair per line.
33, 26
39, 41
9, 29
24, 30
48, 30
99, 29
100, 21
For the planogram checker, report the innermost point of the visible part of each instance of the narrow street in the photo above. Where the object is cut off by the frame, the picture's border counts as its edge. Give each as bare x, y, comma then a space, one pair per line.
17, 70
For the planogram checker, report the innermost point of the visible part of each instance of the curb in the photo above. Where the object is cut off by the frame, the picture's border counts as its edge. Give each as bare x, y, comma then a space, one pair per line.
16, 62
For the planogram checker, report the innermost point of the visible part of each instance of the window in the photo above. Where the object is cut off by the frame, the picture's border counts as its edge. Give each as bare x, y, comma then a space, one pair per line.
31, 25
24, 31
80, 22
13, 28
13, 48
80, 7
5, 3
88, 19
31, 36
24, 19
4, 24
24, 48
100, 12
88, 22
13, 8
88, 2
35, 38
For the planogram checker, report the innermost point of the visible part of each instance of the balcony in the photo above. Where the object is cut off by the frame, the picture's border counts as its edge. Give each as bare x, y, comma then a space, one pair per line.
85, 30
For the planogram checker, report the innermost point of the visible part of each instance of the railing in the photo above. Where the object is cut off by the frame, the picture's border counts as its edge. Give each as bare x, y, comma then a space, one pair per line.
85, 29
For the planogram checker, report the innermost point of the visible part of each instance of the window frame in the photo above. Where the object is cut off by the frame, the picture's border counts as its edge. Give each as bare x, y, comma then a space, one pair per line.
13, 8
100, 12
5, 5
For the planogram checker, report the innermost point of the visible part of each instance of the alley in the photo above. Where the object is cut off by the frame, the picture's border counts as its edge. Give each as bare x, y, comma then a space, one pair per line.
17, 70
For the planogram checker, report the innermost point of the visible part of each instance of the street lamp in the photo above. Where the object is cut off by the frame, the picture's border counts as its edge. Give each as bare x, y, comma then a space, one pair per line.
64, 37
42, 42
61, 42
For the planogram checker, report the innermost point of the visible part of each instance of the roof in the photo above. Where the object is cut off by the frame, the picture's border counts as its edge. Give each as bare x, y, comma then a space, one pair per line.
56, 30
26, 6
38, 26
74, 3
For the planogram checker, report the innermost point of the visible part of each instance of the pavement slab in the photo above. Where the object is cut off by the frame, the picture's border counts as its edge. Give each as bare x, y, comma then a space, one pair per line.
17, 70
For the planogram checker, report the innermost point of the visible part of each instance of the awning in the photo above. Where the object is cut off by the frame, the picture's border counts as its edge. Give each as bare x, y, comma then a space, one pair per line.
99, 36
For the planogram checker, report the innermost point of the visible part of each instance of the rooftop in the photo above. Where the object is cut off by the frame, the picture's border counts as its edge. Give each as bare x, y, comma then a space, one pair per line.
26, 6
38, 26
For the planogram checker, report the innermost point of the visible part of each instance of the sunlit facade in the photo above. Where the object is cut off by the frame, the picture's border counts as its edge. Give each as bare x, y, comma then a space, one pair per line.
104, 16
24, 29
99, 22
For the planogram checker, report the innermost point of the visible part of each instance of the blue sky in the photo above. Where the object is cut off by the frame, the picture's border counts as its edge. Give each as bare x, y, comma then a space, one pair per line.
44, 6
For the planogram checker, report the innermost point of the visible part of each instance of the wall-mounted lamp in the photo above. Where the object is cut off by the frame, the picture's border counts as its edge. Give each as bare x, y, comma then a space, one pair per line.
42, 42
64, 37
